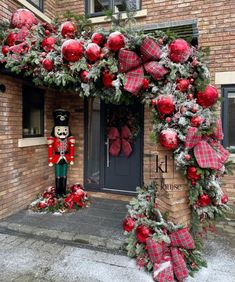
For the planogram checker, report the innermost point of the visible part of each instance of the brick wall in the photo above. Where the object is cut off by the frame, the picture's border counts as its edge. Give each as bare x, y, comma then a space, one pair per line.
24, 171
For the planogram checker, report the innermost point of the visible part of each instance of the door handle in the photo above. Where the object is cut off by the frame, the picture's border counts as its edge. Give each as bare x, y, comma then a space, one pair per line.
107, 152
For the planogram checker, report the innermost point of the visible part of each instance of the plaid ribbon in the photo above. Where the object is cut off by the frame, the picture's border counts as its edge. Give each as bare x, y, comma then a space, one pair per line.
208, 152
167, 259
131, 64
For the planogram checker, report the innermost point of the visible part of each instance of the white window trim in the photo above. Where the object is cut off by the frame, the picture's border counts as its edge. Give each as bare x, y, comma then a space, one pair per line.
34, 141
103, 19
225, 78
33, 9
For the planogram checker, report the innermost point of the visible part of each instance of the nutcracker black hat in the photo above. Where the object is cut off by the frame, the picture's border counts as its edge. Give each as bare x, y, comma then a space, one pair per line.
61, 117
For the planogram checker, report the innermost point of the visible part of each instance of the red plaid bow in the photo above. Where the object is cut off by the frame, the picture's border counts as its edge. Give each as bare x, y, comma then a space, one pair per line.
120, 141
208, 152
131, 64
167, 259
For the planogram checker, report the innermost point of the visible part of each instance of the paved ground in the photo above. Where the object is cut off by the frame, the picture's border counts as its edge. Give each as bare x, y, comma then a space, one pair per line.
24, 259
99, 225
87, 246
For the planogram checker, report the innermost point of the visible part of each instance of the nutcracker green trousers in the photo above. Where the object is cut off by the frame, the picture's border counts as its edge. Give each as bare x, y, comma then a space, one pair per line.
61, 170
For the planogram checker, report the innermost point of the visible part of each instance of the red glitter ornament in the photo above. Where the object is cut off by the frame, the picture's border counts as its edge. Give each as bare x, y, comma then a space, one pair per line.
165, 105
98, 38
204, 200
207, 98
179, 51
93, 52
48, 43
48, 64
183, 85
142, 233
84, 76
107, 79
74, 188
187, 157
224, 199
42, 205
168, 139
145, 84
5, 50
68, 29
115, 41
196, 121
23, 18
128, 224
11, 39
51, 202
192, 173
72, 50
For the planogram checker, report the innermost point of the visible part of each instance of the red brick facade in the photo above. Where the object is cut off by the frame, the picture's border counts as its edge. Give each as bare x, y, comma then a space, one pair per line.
24, 170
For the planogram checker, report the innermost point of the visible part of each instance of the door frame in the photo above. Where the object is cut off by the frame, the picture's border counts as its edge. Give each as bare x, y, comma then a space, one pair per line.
100, 187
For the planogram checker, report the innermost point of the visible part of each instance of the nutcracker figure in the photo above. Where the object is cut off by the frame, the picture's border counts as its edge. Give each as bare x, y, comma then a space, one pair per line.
61, 149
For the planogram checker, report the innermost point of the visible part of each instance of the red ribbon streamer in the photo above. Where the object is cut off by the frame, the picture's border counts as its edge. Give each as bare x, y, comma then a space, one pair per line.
131, 64
120, 141
167, 259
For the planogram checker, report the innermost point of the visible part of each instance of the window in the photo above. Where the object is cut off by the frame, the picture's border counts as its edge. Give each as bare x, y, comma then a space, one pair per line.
228, 113
37, 3
97, 7
33, 112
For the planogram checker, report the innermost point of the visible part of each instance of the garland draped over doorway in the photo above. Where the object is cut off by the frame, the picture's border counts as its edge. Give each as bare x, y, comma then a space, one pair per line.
164, 72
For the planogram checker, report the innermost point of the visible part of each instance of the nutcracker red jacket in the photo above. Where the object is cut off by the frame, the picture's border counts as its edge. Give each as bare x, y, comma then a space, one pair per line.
60, 149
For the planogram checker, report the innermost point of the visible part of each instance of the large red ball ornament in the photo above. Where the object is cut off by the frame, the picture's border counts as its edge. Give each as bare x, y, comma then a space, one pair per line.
23, 18
115, 41
183, 85
192, 173
168, 139
224, 199
72, 50
107, 79
51, 202
98, 38
204, 200
128, 224
42, 205
68, 29
196, 121
5, 50
165, 105
93, 52
11, 39
207, 98
179, 51
74, 188
48, 64
84, 76
143, 233
48, 43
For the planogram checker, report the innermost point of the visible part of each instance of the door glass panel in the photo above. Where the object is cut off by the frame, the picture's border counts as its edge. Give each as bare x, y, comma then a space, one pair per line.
93, 152
231, 120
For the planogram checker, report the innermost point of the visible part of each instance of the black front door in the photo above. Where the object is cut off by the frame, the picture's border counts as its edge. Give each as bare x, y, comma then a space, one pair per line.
104, 171
123, 144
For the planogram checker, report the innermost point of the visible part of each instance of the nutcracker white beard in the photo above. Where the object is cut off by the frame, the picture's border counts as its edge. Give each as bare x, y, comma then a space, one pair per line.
61, 132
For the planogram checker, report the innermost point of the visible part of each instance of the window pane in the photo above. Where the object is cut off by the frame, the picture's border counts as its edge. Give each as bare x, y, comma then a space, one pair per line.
93, 152
97, 6
130, 4
33, 105
231, 120
37, 3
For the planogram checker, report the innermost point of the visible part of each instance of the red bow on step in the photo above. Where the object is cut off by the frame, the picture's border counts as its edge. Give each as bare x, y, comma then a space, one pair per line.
208, 152
131, 64
120, 141
167, 259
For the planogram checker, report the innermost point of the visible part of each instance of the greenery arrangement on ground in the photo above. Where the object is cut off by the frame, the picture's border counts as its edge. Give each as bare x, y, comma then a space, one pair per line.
121, 64
74, 199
